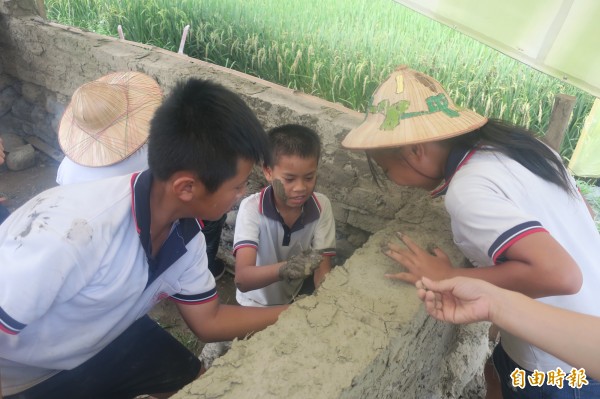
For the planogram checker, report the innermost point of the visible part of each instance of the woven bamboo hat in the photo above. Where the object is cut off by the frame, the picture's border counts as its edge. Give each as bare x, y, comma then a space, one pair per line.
108, 119
410, 108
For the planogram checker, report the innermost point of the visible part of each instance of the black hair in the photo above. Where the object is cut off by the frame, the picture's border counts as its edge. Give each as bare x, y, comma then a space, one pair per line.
294, 140
514, 141
522, 146
204, 128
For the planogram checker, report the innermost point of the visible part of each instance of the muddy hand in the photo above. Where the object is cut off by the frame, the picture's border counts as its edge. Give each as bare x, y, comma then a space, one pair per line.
418, 261
300, 266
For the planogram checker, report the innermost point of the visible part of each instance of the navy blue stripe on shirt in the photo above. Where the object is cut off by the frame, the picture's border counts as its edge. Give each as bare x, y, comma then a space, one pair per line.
244, 244
10, 325
196, 299
511, 236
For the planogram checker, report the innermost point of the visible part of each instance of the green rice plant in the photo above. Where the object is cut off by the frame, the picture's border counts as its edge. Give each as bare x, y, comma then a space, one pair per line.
337, 50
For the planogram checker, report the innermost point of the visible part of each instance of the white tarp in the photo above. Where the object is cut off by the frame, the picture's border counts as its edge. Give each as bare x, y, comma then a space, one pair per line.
558, 37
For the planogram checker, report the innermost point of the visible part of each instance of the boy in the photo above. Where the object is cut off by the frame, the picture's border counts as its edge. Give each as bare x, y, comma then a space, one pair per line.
82, 264
277, 228
120, 105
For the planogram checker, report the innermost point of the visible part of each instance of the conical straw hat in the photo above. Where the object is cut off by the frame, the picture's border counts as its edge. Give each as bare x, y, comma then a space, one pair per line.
409, 108
109, 119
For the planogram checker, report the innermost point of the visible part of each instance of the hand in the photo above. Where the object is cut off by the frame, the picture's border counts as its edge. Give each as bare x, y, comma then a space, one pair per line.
301, 265
418, 261
458, 300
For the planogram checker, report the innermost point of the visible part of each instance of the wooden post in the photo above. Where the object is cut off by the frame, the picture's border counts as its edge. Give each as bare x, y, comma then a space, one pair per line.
559, 120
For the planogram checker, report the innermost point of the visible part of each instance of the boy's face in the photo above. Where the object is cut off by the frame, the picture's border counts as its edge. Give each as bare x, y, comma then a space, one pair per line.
293, 179
212, 206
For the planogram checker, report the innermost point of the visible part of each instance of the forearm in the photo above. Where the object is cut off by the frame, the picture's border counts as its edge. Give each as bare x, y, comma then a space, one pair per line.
570, 336
520, 277
232, 321
321, 272
248, 278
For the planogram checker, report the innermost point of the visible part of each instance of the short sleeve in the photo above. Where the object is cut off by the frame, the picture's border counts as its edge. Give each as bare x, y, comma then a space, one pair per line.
197, 282
324, 237
36, 271
247, 225
485, 220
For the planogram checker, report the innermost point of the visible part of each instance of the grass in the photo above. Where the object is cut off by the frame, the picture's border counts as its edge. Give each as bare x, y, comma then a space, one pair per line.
336, 50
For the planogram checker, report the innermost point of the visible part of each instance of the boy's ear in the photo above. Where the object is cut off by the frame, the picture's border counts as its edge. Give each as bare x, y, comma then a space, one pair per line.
183, 186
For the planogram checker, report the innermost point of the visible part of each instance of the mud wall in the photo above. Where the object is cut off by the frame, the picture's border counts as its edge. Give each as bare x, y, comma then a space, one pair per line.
360, 335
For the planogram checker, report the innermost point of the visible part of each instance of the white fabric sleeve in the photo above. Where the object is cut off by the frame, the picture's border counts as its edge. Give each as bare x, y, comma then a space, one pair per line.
324, 237
485, 221
247, 225
37, 271
197, 282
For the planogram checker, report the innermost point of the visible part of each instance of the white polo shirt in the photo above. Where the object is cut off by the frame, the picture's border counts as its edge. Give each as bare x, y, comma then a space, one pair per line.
259, 225
493, 202
76, 270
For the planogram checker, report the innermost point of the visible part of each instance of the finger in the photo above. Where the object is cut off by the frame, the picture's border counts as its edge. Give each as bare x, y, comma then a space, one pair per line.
394, 247
420, 286
410, 244
440, 254
400, 258
439, 286
406, 277
430, 305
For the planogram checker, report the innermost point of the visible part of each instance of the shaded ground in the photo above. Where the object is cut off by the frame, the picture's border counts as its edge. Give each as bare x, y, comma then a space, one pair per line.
19, 187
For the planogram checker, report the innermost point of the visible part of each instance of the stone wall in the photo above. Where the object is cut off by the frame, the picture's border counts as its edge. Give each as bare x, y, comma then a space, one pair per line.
361, 335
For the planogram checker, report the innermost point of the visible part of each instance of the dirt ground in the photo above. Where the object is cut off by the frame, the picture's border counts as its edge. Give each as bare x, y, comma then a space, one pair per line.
19, 187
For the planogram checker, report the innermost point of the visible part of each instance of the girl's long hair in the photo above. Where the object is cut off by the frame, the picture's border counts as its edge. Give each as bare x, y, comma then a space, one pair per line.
511, 140
520, 145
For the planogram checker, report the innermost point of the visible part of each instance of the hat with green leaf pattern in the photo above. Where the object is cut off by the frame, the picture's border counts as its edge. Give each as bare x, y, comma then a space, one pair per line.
410, 108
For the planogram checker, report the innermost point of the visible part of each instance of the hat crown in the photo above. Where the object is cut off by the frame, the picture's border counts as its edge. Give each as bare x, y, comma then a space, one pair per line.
108, 119
408, 108
97, 105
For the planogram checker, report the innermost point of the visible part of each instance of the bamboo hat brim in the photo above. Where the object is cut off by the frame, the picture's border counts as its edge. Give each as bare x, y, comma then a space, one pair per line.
108, 119
410, 108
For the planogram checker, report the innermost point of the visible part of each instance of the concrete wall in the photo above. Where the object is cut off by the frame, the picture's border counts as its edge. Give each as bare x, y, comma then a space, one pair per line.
360, 335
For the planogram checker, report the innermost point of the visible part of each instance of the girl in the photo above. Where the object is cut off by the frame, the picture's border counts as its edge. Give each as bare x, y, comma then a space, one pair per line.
512, 206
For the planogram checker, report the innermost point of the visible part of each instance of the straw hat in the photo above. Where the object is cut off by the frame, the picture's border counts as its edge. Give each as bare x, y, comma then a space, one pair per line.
409, 108
109, 119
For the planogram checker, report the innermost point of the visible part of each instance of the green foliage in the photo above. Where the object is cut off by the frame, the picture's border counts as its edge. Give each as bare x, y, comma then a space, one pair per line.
337, 50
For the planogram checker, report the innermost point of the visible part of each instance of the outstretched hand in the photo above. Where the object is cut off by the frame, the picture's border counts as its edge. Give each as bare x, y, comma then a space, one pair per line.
301, 265
417, 261
457, 300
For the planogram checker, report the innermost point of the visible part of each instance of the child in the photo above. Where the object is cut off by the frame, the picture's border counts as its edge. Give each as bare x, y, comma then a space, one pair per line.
120, 105
82, 264
512, 204
277, 228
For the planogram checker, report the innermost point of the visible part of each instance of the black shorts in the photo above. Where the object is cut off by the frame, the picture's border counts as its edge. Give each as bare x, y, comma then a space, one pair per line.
145, 359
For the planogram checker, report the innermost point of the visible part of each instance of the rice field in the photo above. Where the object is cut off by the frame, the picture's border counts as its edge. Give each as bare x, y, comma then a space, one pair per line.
339, 50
